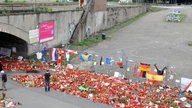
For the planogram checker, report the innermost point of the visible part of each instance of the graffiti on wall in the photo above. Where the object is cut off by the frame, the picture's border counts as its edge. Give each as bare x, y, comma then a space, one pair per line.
88, 32
71, 27
69, 33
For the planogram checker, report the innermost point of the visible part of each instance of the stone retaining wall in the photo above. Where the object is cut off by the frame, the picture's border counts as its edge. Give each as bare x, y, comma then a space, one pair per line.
19, 25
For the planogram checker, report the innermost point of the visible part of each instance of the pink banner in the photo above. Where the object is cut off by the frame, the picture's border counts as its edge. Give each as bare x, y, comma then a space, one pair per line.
46, 31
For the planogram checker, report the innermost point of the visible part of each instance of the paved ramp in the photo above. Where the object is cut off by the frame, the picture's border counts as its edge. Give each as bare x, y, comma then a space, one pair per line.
153, 40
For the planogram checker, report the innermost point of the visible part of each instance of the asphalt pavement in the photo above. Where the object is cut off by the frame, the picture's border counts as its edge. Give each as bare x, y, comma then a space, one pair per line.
153, 40
149, 40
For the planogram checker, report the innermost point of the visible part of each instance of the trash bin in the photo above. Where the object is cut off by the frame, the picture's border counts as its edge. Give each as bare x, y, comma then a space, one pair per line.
103, 36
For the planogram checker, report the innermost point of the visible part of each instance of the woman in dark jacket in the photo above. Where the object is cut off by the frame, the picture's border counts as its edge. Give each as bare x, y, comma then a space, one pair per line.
1, 67
4, 80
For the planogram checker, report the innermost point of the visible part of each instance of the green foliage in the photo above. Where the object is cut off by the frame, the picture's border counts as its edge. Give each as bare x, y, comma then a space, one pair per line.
32, 58
169, 100
88, 42
19, 2
176, 17
154, 9
174, 105
54, 79
78, 8
6, 13
123, 100
64, 63
43, 10
86, 85
182, 16
8, 1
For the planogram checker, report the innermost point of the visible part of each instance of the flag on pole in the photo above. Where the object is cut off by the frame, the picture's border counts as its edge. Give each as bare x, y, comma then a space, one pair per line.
44, 51
135, 69
101, 60
53, 54
67, 55
72, 52
120, 64
85, 57
144, 67
108, 60
154, 77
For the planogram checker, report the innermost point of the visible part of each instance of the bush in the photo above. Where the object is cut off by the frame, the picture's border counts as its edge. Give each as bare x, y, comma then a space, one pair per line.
6, 13
43, 9
8, 1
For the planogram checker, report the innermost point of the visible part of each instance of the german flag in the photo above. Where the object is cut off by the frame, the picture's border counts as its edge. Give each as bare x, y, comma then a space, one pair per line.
142, 74
154, 77
144, 67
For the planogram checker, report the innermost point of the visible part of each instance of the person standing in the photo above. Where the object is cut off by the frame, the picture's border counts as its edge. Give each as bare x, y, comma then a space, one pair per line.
4, 80
47, 80
160, 72
1, 67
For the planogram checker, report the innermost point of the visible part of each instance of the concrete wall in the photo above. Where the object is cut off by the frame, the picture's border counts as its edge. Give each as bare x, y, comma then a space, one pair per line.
20, 25
100, 5
112, 16
65, 21
120, 14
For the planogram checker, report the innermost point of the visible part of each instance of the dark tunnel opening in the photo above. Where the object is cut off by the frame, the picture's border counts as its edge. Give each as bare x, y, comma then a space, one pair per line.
11, 45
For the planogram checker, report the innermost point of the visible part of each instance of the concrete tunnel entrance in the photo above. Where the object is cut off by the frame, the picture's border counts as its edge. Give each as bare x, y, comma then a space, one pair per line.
12, 46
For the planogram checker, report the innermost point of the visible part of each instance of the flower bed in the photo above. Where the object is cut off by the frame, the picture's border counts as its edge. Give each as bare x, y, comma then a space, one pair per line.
108, 90
17, 65
7, 102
